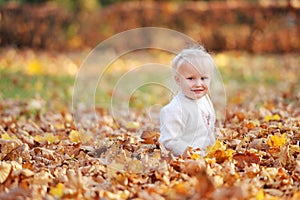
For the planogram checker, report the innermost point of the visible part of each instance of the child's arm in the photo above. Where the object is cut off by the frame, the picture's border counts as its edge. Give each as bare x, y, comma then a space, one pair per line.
171, 130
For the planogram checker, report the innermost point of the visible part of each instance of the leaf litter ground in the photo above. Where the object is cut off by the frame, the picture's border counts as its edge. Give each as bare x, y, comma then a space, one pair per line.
44, 156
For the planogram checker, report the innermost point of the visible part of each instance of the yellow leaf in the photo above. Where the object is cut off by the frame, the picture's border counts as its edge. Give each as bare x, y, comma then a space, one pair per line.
6, 136
50, 138
73, 157
59, 126
272, 118
260, 195
195, 156
132, 125
38, 138
74, 136
277, 141
220, 152
79, 136
58, 190
218, 146
222, 60
296, 195
34, 67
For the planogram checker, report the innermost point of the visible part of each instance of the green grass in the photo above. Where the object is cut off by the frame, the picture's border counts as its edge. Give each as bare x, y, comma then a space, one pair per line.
242, 74
21, 86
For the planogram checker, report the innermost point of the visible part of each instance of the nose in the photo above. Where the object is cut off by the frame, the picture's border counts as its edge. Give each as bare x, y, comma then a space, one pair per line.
199, 82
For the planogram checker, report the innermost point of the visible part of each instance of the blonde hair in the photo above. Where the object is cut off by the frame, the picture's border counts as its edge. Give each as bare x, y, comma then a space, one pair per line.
198, 57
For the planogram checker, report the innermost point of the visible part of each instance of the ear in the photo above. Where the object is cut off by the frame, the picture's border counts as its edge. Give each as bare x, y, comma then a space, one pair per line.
177, 79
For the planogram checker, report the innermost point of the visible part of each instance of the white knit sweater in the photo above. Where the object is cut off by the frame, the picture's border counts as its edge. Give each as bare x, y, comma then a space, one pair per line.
187, 123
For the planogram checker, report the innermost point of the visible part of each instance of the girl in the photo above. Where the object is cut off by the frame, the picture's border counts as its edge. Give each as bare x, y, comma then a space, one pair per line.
189, 119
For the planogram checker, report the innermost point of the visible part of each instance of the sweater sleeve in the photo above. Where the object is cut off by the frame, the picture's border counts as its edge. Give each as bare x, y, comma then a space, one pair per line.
171, 129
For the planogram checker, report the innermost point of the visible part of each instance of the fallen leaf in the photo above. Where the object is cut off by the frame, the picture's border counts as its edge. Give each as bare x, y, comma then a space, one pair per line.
260, 195
79, 136
74, 136
246, 158
272, 118
5, 169
132, 125
6, 136
277, 141
150, 137
57, 191
220, 152
113, 168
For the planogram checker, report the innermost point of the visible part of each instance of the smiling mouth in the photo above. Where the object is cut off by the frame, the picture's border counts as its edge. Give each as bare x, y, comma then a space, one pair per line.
198, 90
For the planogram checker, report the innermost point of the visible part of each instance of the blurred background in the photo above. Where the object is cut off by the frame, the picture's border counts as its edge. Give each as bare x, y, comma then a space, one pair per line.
255, 26
255, 43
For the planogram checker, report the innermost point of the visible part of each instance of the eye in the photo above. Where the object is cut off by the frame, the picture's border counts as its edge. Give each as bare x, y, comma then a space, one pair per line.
204, 78
190, 78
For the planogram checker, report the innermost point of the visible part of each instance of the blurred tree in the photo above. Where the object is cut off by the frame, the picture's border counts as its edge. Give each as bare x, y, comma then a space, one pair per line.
76, 5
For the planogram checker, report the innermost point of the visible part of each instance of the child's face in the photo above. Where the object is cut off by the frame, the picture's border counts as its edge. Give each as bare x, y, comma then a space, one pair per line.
192, 82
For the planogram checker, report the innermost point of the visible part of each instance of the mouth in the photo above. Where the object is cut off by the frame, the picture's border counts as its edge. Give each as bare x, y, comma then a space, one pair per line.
197, 90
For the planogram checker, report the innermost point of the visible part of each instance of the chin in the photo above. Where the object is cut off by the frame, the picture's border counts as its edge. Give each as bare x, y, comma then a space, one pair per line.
194, 97
199, 96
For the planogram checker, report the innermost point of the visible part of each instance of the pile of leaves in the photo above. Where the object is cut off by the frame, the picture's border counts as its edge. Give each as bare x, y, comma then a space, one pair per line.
45, 156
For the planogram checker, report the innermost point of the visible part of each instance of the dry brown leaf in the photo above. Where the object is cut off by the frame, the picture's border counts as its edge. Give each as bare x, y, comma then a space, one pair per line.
246, 158
250, 160
5, 169
150, 137
7, 146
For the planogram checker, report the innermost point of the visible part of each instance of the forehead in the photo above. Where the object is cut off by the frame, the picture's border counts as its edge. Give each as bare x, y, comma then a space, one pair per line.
189, 69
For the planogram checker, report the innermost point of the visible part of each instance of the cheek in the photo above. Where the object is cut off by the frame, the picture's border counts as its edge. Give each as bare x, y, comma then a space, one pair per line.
207, 82
189, 83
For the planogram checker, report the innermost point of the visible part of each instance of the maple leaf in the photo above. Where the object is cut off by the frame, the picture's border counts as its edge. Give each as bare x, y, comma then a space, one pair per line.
220, 152
276, 141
